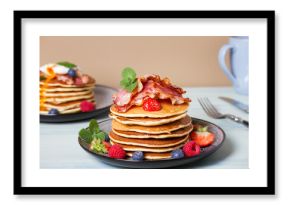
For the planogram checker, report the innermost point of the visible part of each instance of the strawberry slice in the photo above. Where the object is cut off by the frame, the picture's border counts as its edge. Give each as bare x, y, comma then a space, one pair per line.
107, 145
151, 104
202, 137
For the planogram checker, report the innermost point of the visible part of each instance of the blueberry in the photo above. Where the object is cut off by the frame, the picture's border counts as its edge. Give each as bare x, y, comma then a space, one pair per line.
53, 111
176, 154
138, 156
72, 73
107, 138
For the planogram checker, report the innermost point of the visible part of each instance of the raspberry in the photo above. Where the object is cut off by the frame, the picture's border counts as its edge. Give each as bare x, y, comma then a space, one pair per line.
151, 104
117, 152
191, 149
87, 106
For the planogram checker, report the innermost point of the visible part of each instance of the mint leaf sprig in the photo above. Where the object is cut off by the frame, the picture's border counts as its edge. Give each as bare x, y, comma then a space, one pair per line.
129, 80
67, 64
92, 132
86, 135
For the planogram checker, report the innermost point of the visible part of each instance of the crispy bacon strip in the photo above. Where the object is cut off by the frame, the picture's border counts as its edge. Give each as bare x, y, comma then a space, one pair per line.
149, 86
122, 98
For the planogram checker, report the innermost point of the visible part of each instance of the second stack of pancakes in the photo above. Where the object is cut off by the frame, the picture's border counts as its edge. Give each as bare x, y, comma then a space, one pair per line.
65, 98
156, 133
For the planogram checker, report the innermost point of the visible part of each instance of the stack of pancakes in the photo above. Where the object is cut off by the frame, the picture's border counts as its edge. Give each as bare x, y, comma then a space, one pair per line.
155, 133
63, 97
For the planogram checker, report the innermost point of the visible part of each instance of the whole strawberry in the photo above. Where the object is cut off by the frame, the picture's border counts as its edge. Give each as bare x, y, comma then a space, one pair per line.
116, 152
191, 149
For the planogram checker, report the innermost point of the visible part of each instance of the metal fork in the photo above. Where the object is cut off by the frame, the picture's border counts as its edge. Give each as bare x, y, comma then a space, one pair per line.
214, 113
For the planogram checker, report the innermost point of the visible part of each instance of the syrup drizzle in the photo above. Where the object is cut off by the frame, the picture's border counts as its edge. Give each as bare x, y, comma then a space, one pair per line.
51, 75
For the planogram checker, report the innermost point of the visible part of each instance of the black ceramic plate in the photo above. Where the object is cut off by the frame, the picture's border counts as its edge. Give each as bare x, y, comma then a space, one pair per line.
164, 163
103, 96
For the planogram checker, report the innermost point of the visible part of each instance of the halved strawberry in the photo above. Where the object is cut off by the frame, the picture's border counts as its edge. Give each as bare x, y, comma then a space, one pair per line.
107, 145
151, 104
202, 137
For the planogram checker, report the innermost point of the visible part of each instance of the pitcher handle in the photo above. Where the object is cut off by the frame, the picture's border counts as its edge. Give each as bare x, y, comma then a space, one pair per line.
222, 54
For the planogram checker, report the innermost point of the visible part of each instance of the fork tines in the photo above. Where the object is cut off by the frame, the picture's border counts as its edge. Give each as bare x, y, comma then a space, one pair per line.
208, 107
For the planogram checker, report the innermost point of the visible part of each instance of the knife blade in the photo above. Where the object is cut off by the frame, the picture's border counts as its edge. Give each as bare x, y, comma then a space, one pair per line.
236, 103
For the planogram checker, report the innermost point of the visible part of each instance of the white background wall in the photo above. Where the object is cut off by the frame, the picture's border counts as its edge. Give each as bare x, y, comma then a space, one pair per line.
282, 98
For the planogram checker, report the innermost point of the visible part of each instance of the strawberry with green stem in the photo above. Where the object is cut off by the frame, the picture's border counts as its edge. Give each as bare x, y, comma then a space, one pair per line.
202, 136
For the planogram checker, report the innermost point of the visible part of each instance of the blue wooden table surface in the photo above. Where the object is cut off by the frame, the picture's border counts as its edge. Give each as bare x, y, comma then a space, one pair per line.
59, 148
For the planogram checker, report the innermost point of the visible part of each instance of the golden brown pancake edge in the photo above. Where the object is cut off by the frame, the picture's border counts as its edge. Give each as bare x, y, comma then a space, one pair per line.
148, 149
153, 155
158, 129
177, 133
168, 142
145, 121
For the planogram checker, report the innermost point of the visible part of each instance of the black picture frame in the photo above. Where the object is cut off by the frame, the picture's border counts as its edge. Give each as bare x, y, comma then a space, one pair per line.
268, 190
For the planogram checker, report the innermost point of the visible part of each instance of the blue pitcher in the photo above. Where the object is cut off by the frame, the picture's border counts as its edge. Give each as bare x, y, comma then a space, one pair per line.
239, 58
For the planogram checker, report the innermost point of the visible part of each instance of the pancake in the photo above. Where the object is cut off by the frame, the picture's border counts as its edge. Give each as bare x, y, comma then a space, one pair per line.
167, 110
148, 149
147, 142
165, 128
144, 121
49, 89
55, 83
153, 155
63, 99
62, 94
64, 106
177, 133
68, 111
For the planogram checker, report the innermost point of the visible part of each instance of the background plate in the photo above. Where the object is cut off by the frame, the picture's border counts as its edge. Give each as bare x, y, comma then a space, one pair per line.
165, 163
103, 96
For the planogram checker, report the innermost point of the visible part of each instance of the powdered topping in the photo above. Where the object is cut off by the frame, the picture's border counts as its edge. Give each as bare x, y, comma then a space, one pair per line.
149, 86
57, 69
